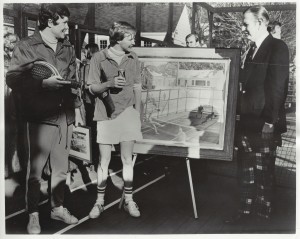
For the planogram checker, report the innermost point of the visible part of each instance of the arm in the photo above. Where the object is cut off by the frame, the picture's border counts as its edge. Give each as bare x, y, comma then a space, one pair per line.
276, 82
19, 77
20, 66
138, 96
96, 86
276, 86
137, 88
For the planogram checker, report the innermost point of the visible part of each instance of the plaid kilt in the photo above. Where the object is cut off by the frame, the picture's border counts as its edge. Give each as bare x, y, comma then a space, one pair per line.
256, 164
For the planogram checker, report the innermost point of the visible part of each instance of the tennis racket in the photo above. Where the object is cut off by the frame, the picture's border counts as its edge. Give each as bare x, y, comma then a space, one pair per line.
43, 70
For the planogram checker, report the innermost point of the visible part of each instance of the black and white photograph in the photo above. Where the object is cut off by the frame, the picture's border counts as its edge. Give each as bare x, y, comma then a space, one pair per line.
81, 143
148, 119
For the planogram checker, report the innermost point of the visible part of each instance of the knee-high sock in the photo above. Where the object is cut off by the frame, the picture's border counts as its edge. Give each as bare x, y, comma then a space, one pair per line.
101, 186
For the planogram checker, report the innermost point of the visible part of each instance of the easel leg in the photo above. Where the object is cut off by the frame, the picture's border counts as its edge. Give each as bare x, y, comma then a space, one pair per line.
192, 187
123, 194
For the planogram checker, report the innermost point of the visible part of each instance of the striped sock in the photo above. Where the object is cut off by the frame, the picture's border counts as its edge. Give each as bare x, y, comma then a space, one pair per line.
100, 194
128, 194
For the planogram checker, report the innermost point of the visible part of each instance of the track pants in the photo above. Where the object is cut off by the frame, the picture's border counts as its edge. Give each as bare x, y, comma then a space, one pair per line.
53, 142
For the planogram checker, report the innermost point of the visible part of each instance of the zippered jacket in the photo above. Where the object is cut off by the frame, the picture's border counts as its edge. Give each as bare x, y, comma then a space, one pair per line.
36, 103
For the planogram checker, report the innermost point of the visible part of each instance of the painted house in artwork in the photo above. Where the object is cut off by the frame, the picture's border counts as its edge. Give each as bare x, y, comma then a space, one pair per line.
200, 78
155, 80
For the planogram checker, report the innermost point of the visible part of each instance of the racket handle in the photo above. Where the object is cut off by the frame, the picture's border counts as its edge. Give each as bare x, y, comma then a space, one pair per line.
75, 84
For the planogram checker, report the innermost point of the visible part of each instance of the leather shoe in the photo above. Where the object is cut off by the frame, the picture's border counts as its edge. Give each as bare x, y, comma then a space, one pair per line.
238, 219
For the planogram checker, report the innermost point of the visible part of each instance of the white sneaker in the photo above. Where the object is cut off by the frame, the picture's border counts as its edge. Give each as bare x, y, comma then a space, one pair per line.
33, 226
132, 208
62, 214
96, 210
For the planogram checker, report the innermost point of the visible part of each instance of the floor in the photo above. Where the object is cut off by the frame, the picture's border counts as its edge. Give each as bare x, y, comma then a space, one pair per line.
163, 194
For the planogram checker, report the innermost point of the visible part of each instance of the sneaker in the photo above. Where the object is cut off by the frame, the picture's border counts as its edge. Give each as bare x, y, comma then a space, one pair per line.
132, 208
96, 210
62, 214
33, 226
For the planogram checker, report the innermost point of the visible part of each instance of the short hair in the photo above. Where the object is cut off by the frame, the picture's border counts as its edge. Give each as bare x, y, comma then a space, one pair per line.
117, 31
93, 47
260, 13
272, 26
190, 35
52, 11
9, 34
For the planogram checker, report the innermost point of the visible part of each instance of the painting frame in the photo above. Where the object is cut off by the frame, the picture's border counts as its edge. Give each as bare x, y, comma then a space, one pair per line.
81, 143
196, 54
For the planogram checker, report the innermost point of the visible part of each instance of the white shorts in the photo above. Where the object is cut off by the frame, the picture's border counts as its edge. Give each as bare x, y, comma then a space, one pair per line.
126, 127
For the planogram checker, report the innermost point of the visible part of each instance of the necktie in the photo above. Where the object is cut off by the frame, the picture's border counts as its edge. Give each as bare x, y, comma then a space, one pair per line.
251, 52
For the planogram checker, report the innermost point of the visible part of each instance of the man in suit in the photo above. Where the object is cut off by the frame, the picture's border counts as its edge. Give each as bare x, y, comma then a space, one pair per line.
264, 81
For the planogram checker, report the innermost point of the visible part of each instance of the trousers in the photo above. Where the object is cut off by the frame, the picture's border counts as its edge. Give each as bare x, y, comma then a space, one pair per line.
47, 142
256, 175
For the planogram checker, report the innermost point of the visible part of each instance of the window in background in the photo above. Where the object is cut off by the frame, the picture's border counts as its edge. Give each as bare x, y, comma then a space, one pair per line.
147, 44
103, 44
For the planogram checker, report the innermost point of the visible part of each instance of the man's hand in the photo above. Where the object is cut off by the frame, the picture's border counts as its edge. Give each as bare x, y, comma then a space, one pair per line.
267, 131
54, 83
118, 82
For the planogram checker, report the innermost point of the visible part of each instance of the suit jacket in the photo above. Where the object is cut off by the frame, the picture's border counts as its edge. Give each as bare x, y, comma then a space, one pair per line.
265, 83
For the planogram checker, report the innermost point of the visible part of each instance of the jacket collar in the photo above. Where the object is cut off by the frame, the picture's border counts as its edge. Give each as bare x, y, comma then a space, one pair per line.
261, 39
36, 39
263, 47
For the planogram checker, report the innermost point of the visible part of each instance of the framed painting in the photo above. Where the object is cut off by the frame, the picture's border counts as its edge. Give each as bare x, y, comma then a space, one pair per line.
81, 143
188, 101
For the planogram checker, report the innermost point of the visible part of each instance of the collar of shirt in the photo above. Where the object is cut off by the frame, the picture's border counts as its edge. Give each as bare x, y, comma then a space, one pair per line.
36, 38
106, 54
259, 41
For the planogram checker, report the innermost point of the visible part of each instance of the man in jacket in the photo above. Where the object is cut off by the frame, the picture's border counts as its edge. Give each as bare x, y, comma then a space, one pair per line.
48, 107
264, 80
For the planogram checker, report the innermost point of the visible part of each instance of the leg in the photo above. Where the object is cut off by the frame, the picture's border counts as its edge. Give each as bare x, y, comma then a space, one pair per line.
102, 170
246, 169
102, 174
59, 164
39, 138
265, 165
12, 161
126, 156
247, 182
123, 194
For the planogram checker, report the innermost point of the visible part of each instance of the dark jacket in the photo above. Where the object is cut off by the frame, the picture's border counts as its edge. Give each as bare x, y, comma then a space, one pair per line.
38, 104
265, 83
